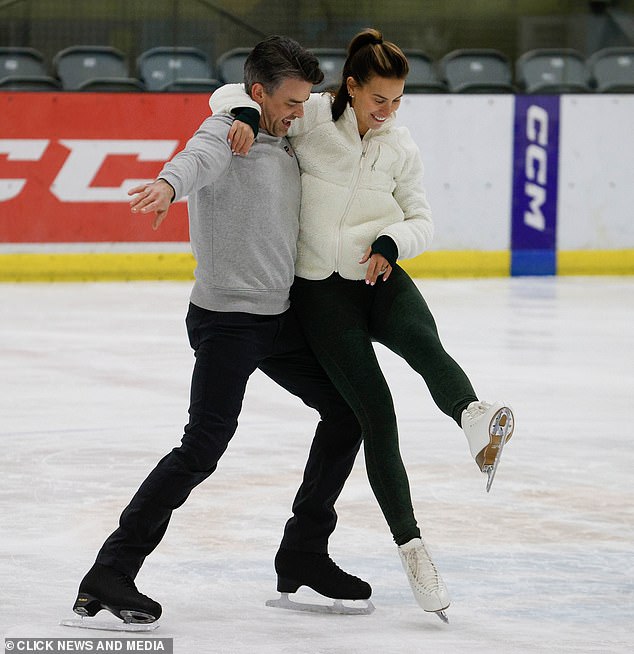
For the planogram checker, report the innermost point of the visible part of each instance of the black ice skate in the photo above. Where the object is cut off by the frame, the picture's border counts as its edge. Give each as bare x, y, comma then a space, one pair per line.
319, 572
106, 588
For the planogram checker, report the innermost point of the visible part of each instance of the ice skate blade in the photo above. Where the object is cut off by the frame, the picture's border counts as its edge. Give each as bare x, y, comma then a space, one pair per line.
337, 607
501, 430
104, 625
443, 616
492, 469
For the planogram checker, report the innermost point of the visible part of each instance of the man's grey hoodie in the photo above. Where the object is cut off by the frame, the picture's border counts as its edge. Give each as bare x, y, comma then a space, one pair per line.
243, 218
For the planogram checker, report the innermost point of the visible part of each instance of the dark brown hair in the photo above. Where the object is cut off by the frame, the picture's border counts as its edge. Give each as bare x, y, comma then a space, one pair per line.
277, 58
368, 55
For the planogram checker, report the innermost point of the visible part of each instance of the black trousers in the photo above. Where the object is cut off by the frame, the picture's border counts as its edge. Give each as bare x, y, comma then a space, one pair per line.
228, 348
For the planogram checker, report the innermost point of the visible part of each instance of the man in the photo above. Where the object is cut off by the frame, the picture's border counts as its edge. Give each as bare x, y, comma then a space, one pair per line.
243, 223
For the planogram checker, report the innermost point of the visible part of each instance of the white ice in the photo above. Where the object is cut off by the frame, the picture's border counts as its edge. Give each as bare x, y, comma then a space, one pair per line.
94, 385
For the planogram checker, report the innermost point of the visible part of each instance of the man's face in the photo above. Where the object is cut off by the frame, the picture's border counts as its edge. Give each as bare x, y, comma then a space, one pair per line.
280, 108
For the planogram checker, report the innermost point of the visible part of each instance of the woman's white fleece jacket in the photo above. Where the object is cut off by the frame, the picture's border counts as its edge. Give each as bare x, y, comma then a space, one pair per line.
353, 189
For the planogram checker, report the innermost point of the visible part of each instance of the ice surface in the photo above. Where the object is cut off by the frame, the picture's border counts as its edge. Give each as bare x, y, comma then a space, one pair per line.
94, 385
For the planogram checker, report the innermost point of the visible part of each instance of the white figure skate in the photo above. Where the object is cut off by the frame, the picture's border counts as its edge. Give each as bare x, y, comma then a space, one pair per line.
488, 427
427, 585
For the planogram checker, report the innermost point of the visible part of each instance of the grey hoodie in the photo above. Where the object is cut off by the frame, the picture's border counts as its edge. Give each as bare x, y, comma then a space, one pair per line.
243, 218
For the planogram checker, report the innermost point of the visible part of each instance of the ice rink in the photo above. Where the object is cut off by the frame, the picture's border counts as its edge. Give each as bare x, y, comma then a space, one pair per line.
94, 390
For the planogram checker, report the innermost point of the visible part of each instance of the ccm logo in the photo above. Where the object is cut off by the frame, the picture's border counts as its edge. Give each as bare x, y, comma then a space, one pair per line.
85, 158
536, 166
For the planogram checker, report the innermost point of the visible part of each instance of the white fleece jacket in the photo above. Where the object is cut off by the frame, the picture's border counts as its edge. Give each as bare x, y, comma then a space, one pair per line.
353, 189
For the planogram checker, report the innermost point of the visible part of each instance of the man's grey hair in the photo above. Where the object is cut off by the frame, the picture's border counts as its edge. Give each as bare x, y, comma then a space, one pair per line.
278, 58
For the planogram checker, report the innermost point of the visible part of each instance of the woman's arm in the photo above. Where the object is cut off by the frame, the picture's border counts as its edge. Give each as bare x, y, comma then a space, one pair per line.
233, 99
414, 234
230, 97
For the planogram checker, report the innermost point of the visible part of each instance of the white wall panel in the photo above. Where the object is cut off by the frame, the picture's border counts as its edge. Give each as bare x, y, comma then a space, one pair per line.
466, 145
596, 173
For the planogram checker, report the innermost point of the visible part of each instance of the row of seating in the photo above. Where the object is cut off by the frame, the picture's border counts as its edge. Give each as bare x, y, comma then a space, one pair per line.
166, 69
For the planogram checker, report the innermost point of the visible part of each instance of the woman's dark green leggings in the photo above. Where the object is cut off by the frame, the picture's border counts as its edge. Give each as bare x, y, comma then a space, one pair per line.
341, 318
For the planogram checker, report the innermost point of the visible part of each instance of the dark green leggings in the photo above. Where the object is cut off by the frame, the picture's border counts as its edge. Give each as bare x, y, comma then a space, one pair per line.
341, 318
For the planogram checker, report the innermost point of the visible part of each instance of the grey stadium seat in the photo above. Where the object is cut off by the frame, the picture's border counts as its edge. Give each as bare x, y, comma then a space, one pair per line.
93, 68
552, 70
230, 65
477, 70
422, 76
176, 69
29, 84
23, 69
612, 70
21, 62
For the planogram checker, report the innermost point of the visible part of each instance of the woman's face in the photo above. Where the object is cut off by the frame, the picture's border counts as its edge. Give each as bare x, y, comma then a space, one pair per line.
374, 101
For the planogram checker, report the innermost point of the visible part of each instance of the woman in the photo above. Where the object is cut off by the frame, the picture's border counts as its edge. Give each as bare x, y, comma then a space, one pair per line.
362, 209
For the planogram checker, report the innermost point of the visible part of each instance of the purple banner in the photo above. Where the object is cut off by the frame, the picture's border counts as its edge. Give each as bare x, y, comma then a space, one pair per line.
535, 176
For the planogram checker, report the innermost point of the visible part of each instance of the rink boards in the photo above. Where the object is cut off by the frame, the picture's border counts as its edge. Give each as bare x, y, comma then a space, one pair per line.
520, 185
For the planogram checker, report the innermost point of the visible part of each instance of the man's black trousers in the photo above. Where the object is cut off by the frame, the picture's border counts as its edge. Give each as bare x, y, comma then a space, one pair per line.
228, 348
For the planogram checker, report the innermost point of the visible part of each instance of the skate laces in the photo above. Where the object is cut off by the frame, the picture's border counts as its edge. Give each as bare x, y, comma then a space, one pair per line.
477, 409
422, 569
129, 584
330, 565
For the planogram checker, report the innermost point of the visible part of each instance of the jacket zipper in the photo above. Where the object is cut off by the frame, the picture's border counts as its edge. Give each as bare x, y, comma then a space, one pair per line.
353, 190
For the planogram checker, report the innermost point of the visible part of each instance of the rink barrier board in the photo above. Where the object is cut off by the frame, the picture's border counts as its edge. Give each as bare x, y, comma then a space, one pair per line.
607, 262
515, 191
76, 267
43, 267
99, 266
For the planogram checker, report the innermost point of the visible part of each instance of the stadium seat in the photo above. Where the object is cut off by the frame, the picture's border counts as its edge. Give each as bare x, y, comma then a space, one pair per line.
422, 76
477, 70
230, 65
24, 69
112, 85
612, 70
33, 83
21, 62
552, 70
193, 86
94, 68
176, 69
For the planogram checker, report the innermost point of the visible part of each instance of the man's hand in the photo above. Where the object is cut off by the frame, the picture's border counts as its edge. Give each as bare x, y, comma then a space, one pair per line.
378, 266
240, 138
155, 197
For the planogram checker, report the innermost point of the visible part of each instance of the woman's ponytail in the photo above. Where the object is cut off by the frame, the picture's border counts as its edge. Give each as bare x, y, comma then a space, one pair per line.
368, 55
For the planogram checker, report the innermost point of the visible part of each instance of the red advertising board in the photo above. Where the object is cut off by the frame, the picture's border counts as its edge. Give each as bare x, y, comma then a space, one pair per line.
67, 161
